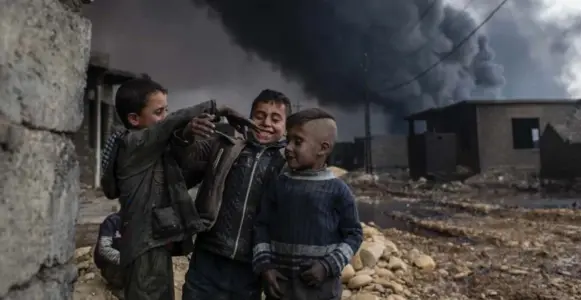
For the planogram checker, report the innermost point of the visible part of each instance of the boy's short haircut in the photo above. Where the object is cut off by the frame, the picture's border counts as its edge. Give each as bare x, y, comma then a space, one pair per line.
302, 117
267, 96
131, 97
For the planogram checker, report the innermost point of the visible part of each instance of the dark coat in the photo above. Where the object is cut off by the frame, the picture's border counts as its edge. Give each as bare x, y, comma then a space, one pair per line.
142, 174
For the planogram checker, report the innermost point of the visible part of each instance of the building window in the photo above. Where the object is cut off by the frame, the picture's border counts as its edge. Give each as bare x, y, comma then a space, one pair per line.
525, 133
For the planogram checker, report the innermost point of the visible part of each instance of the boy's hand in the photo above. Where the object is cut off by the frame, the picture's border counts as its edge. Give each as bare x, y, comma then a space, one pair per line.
314, 274
200, 126
272, 288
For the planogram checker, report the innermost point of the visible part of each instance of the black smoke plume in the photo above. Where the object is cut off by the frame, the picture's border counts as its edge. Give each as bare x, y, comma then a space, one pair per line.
343, 51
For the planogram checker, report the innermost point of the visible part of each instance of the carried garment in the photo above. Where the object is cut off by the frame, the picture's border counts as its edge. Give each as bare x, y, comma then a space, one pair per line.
237, 172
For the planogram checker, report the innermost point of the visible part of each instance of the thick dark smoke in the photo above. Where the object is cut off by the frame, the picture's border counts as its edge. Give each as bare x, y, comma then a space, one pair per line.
323, 44
535, 54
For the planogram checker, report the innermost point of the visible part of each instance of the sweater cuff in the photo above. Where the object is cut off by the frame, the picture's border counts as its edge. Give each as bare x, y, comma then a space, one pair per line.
261, 267
331, 266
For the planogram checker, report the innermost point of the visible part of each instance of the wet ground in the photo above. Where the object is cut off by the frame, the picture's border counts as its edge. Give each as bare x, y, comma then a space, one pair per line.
491, 245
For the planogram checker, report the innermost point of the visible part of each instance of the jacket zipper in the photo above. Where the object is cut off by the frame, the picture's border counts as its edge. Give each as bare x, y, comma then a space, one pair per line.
256, 161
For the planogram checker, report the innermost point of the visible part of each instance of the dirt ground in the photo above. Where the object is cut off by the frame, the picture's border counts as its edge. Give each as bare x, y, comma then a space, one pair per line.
492, 245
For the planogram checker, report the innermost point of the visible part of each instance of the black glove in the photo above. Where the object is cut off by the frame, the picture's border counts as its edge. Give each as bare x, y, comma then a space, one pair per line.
314, 274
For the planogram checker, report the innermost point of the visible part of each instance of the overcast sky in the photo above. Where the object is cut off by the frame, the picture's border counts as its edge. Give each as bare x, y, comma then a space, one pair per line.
180, 46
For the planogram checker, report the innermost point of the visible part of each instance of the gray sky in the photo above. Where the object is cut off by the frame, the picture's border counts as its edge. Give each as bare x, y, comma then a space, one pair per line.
180, 46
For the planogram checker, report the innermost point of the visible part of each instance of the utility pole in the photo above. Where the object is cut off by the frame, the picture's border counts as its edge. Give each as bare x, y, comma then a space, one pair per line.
367, 146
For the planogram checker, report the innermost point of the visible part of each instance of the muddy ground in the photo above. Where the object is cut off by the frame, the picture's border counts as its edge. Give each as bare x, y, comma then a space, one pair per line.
499, 242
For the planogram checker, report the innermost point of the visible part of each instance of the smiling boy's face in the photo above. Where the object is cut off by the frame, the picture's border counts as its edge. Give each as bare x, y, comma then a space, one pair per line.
270, 116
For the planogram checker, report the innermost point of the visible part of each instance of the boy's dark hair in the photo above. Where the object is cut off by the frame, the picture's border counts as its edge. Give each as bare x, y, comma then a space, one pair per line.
131, 97
307, 115
267, 96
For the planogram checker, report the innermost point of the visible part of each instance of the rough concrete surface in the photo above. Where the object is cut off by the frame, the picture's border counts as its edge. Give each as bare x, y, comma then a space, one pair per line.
44, 50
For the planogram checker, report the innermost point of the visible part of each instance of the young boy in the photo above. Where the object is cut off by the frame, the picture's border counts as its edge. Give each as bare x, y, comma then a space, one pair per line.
107, 256
308, 227
156, 209
237, 170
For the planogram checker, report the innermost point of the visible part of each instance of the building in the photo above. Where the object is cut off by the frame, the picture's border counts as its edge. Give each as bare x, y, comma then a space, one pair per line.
482, 134
387, 152
560, 147
99, 116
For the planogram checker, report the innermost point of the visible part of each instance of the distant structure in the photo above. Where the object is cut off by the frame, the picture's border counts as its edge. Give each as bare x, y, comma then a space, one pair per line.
482, 134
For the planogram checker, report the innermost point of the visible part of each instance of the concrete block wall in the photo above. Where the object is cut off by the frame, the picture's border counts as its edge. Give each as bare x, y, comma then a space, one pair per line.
44, 51
495, 142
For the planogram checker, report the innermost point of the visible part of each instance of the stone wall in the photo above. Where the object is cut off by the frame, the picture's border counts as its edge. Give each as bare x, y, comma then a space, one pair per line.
44, 51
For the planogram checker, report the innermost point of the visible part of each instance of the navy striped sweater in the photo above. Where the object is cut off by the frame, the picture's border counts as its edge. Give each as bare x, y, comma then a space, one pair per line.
304, 217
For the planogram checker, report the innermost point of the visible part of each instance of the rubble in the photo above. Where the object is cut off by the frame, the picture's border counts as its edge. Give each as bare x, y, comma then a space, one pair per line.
379, 269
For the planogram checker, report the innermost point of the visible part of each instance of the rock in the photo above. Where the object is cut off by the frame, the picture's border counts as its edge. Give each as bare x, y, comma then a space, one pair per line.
366, 296
338, 172
84, 265
359, 281
370, 232
394, 286
395, 264
356, 262
89, 276
390, 248
365, 271
395, 297
383, 272
347, 274
370, 253
424, 262
82, 253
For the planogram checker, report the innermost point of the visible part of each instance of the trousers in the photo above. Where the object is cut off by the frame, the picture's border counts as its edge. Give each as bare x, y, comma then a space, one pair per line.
214, 277
150, 276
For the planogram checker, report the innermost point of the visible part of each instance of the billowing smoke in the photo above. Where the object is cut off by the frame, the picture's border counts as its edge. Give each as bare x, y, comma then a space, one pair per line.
343, 51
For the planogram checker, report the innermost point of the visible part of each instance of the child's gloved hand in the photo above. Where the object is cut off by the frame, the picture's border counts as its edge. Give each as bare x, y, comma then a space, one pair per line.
201, 126
271, 277
314, 274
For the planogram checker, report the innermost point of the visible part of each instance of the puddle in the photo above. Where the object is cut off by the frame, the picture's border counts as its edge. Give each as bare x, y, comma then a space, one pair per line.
380, 214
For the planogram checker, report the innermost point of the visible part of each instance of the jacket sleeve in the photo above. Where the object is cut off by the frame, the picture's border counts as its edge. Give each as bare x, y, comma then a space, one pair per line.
146, 145
192, 157
350, 230
261, 252
105, 243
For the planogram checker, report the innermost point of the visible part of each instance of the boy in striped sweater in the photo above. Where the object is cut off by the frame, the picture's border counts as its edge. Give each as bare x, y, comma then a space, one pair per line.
308, 228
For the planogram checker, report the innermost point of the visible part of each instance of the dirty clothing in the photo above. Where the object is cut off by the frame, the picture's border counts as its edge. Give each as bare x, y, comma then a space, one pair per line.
305, 217
107, 250
237, 172
144, 176
156, 209
150, 276
114, 275
295, 289
106, 253
216, 277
